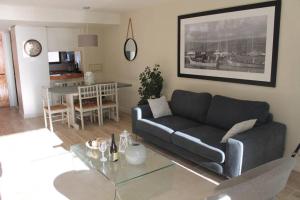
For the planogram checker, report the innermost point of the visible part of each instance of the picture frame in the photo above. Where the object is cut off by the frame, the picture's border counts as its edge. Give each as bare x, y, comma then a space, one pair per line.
236, 44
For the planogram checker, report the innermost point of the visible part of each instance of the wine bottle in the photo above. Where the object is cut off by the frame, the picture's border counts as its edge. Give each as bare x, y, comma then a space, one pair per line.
113, 149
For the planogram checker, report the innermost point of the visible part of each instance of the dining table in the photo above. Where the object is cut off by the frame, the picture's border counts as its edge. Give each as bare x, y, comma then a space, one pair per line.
70, 92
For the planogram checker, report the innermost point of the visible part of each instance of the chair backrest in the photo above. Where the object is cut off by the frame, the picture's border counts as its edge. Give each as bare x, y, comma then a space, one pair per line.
46, 97
69, 83
261, 183
61, 84
108, 89
88, 92
76, 83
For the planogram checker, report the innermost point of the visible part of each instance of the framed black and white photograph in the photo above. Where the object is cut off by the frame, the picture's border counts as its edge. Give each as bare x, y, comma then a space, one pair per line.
238, 44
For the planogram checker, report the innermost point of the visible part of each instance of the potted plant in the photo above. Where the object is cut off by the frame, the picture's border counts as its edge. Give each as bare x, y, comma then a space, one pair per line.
151, 84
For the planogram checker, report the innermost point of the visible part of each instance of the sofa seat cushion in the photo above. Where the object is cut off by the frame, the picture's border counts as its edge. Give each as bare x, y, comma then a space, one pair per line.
155, 129
163, 127
175, 122
203, 140
224, 112
190, 105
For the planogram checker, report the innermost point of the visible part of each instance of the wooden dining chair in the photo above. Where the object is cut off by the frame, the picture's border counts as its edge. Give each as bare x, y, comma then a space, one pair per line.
54, 112
108, 93
88, 102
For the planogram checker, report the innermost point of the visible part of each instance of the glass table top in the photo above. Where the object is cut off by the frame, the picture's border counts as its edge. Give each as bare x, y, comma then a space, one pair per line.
120, 171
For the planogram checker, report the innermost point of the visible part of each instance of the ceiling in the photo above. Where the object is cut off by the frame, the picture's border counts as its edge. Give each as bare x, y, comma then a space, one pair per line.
96, 5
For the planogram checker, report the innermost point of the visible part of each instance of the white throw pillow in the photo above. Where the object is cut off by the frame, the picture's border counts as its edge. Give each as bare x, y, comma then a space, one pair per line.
238, 128
159, 107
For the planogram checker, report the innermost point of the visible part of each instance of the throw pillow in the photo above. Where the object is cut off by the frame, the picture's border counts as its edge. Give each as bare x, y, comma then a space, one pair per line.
238, 128
159, 107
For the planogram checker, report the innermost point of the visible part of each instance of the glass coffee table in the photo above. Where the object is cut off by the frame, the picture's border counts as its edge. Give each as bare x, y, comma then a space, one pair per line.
121, 172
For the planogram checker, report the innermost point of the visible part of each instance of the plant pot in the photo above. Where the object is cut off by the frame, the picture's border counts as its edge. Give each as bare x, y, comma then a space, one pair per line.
135, 154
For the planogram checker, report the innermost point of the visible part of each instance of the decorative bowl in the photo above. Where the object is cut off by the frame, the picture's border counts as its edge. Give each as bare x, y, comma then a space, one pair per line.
93, 144
135, 154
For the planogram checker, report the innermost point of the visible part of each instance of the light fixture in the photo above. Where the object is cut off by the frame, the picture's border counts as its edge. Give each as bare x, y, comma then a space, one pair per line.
87, 40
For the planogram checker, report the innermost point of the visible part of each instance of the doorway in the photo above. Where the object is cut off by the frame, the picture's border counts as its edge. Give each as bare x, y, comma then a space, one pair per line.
4, 96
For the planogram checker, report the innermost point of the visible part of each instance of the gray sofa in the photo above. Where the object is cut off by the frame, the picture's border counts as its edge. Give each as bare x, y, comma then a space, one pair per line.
199, 122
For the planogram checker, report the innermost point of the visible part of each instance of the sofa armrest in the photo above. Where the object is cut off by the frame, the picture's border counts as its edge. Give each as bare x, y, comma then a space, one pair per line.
254, 147
140, 112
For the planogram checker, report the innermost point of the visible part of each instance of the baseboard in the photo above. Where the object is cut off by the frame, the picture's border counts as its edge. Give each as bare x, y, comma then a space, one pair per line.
125, 109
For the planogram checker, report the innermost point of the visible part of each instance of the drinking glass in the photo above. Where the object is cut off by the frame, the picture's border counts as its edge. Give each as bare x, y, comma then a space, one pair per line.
108, 142
102, 148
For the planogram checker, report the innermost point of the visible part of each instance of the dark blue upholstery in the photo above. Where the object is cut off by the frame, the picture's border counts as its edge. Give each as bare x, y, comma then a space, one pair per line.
255, 147
156, 129
141, 122
175, 122
190, 105
202, 140
224, 112
162, 127
203, 162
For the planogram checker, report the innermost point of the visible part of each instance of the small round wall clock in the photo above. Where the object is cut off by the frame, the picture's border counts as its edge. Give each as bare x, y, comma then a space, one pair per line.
32, 48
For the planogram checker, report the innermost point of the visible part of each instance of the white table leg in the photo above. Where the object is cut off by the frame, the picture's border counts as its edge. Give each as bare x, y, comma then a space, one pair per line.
70, 103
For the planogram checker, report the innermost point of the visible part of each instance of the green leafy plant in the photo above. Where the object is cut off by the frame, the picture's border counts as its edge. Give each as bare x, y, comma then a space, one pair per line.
151, 84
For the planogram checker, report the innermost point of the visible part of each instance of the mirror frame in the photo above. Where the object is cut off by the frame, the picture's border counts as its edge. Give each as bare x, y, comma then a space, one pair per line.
136, 52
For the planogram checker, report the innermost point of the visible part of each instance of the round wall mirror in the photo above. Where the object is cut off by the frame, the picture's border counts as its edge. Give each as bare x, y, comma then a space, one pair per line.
130, 49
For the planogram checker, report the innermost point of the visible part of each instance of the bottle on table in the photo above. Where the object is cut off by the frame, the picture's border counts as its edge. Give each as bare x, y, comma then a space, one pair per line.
114, 149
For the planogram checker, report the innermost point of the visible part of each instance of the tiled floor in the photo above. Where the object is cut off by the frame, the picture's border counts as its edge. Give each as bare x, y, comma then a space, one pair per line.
12, 123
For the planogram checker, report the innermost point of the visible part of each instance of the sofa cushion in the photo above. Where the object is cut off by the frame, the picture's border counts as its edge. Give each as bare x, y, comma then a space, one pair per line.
224, 112
163, 127
190, 104
203, 141
159, 107
239, 128
176, 123
154, 128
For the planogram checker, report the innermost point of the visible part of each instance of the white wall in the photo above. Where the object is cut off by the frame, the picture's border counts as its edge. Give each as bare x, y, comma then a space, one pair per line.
155, 31
33, 72
62, 39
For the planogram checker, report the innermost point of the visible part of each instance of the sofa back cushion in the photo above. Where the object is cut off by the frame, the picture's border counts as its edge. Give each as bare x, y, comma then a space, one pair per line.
190, 105
224, 112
